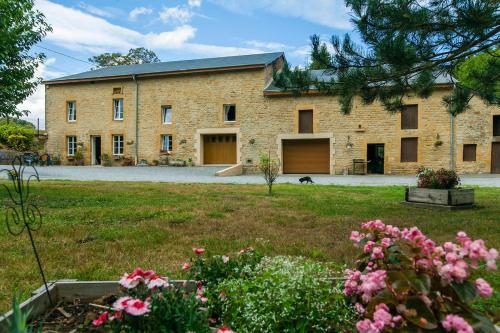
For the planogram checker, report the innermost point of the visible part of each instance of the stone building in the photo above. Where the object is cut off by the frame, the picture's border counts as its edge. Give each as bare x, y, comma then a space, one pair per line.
226, 111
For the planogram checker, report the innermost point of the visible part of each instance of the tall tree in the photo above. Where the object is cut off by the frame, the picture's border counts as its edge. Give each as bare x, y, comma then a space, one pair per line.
138, 55
406, 45
322, 60
21, 27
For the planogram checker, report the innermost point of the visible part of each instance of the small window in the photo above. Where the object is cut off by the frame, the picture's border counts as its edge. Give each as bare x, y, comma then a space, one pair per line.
117, 144
71, 140
71, 105
117, 91
305, 121
409, 117
118, 109
496, 125
166, 142
409, 149
469, 153
229, 112
166, 114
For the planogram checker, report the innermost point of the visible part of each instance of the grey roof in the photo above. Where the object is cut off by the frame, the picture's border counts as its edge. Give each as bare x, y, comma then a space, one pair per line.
325, 76
174, 66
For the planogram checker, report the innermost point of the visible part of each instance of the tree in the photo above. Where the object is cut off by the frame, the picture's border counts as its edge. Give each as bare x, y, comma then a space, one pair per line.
138, 55
21, 27
407, 44
323, 59
270, 168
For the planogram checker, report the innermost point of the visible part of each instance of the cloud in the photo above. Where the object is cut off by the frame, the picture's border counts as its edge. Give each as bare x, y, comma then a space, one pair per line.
94, 10
176, 15
330, 13
194, 3
134, 13
35, 103
266, 45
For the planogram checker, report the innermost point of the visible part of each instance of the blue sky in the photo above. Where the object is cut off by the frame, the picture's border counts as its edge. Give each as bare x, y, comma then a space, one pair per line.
180, 29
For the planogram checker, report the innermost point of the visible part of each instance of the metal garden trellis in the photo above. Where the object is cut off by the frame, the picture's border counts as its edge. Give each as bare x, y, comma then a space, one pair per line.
20, 213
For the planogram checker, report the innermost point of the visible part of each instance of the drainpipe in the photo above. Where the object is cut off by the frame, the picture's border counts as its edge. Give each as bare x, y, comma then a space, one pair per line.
134, 77
452, 142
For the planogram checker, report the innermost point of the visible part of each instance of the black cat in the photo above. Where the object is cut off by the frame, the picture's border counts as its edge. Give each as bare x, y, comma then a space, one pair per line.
306, 179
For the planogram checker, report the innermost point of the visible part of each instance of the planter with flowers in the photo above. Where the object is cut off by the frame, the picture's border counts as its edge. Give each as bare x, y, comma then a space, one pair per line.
439, 189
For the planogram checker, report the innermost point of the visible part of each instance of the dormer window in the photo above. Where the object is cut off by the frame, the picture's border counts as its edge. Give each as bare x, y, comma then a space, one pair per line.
229, 113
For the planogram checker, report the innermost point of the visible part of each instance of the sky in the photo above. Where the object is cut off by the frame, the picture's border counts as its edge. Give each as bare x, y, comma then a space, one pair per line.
177, 30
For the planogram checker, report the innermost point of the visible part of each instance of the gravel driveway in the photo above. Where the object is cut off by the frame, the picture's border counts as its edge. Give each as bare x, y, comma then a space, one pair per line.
207, 175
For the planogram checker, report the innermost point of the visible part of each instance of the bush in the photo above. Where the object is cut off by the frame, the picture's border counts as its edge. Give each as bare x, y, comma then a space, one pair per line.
286, 294
440, 179
15, 136
404, 282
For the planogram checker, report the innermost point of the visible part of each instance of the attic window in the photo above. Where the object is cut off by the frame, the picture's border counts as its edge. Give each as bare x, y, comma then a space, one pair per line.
229, 112
117, 91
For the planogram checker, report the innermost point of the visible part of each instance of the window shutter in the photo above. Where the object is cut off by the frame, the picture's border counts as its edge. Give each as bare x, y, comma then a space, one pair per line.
409, 117
409, 149
306, 121
469, 153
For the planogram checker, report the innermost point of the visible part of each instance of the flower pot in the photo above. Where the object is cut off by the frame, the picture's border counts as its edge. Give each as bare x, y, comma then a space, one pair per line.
450, 198
69, 291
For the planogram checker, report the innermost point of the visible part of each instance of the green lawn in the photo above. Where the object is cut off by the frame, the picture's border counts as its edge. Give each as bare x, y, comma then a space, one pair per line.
98, 230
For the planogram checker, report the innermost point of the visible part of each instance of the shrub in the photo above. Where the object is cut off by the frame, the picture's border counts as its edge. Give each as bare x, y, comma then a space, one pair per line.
152, 305
16, 136
286, 294
440, 179
105, 160
270, 168
404, 282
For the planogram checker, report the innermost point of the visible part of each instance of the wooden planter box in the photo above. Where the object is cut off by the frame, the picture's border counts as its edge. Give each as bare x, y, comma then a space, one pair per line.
70, 290
449, 199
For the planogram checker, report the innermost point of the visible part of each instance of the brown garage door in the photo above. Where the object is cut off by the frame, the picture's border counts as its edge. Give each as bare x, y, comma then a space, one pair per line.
306, 156
495, 157
219, 149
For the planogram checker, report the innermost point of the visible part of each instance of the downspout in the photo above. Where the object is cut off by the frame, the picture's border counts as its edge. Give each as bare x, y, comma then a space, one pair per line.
134, 77
452, 142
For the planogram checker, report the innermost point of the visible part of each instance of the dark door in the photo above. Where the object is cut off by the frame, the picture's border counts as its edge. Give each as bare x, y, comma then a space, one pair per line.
495, 157
375, 158
97, 150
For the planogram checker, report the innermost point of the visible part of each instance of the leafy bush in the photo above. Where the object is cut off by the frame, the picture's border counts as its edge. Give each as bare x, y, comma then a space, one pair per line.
105, 160
152, 305
19, 322
440, 179
286, 294
16, 136
404, 282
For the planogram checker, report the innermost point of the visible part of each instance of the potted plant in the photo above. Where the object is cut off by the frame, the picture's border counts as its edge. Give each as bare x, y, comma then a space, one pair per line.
105, 160
78, 158
439, 189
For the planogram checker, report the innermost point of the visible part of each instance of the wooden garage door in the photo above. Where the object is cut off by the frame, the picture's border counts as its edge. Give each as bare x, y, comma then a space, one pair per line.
219, 149
306, 156
495, 157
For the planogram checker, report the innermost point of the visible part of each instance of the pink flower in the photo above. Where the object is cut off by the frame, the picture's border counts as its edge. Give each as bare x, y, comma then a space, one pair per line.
484, 288
121, 303
371, 283
157, 282
225, 259
382, 314
457, 323
198, 250
356, 237
186, 266
131, 281
378, 253
136, 307
224, 329
359, 307
366, 326
368, 247
377, 224
101, 319
385, 242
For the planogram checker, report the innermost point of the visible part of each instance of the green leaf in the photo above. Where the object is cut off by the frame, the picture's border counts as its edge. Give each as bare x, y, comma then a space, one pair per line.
424, 317
398, 282
465, 291
421, 283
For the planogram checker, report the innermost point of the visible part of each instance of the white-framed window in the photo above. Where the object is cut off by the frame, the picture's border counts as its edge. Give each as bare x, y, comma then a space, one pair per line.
118, 109
166, 142
166, 114
71, 141
229, 112
71, 106
117, 144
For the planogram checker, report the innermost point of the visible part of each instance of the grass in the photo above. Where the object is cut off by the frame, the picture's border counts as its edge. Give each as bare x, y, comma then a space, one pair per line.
98, 230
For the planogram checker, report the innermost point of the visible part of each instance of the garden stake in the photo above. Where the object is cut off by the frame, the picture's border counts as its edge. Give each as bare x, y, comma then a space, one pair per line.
30, 218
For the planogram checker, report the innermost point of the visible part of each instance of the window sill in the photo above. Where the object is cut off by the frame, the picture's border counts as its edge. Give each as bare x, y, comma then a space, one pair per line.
118, 119
229, 121
166, 152
170, 123
71, 121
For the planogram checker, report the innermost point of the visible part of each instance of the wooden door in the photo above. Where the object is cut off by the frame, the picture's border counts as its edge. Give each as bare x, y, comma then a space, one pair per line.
305, 121
495, 157
219, 149
306, 156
